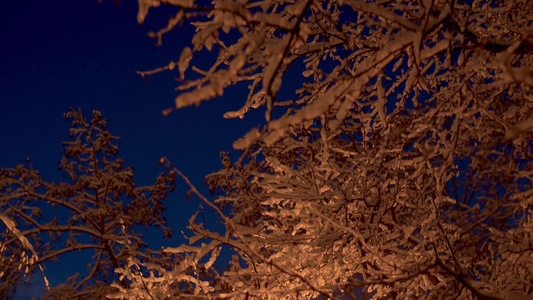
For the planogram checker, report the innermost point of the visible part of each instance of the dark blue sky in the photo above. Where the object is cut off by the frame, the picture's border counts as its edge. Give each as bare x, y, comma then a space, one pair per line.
61, 54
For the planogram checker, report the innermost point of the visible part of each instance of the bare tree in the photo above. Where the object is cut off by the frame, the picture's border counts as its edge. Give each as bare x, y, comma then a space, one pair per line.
94, 211
401, 170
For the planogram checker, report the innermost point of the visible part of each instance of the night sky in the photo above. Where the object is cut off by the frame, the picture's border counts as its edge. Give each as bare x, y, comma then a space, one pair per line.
61, 54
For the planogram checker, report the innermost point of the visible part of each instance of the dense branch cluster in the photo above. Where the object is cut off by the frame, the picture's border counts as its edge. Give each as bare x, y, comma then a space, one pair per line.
402, 169
95, 211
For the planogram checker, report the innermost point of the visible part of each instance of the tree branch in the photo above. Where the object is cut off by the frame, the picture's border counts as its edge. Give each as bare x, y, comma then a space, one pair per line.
231, 226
